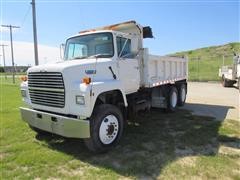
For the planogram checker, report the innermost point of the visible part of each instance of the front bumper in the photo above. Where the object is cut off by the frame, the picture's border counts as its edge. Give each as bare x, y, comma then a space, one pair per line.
56, 124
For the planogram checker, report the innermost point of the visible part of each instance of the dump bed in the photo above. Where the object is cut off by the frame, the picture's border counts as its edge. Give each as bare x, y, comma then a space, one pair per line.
159, 70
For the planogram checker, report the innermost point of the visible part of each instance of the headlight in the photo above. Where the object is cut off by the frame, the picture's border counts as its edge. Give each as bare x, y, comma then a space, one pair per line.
80, 100
24, 93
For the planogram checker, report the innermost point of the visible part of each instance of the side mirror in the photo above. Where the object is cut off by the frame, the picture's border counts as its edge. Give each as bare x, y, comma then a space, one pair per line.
147, 32
62, 48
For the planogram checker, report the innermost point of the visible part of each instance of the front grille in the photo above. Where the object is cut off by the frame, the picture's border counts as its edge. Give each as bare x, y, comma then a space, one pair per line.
46, 88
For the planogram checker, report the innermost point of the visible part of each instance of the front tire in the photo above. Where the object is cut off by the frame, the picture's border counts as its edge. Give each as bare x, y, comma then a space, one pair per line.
106, 127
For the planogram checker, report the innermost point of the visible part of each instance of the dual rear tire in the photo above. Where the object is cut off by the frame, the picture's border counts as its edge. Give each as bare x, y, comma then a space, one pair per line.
176, 97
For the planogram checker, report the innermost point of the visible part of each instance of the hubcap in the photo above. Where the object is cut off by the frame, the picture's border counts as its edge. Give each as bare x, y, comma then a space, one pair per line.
174, 99
108, 129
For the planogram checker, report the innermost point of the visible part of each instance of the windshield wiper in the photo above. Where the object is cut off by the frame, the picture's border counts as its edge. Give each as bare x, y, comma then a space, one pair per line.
99, 56
80, 57
93, 56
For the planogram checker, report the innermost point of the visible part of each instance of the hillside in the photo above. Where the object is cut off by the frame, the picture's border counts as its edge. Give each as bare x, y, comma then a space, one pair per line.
205, 62
226, 50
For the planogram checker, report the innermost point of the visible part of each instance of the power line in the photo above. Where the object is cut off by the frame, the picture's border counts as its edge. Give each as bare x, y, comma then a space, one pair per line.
25, 16
10, 28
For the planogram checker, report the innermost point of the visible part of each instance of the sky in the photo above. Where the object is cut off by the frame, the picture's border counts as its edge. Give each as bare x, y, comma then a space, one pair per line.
177, 25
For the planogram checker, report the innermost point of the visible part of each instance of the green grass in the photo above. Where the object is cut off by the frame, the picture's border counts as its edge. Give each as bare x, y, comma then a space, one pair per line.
206, 69
10, 74
166, 146
211, 59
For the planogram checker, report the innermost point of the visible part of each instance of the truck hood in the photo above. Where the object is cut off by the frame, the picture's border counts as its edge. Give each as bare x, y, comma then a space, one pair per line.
73, 73
64, 65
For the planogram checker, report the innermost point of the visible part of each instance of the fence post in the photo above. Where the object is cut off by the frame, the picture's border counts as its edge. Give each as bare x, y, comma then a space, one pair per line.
198, 68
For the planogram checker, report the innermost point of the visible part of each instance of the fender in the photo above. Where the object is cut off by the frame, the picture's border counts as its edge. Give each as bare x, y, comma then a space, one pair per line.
93, 90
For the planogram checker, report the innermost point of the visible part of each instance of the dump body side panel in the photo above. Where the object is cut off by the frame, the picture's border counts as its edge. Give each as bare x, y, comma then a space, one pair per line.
159, 70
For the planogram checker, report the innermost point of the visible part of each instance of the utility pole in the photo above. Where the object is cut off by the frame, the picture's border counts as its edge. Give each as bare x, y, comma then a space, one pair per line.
11, 27
4, 63
35, 32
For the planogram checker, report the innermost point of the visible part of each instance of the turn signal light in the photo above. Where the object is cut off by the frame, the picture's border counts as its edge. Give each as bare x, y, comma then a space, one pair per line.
86, 80
23, 78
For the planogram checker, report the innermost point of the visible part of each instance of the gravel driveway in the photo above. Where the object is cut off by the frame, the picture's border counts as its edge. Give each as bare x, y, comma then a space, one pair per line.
211, 99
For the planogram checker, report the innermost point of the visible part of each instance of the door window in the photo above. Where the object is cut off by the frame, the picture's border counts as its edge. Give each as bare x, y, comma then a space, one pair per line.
124, 50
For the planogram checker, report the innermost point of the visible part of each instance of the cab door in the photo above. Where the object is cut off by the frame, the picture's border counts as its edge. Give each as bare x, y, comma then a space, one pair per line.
128, 66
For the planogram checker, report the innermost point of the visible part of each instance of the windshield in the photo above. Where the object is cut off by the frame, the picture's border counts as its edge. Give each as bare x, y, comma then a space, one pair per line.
89, 45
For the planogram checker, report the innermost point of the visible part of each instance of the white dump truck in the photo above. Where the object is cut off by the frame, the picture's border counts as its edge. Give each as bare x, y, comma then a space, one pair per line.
106, 78
231, 74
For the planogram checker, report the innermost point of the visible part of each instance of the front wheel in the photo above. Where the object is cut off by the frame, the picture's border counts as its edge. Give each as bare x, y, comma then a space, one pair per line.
106, 127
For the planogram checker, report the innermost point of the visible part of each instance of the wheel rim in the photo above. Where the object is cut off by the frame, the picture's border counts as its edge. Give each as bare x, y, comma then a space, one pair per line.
174, 99
183, 94
108, 129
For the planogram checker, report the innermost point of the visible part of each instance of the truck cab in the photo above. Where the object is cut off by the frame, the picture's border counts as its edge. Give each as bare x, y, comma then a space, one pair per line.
231, 74
118, 49
106, 78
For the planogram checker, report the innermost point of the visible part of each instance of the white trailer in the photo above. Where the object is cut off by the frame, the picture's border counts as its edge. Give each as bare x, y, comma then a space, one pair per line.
231, 74
106, 78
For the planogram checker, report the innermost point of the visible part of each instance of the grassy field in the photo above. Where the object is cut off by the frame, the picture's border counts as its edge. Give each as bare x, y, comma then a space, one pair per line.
158, 146
206, 69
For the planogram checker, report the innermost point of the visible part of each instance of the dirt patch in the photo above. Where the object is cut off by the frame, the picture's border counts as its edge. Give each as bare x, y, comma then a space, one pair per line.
2, 155
24, 168
187, 161
124, 178
72, 169
71, 172
229, 151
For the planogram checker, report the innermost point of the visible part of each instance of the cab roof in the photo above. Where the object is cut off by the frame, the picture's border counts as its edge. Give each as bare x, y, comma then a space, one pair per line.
116, 27
124, 27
